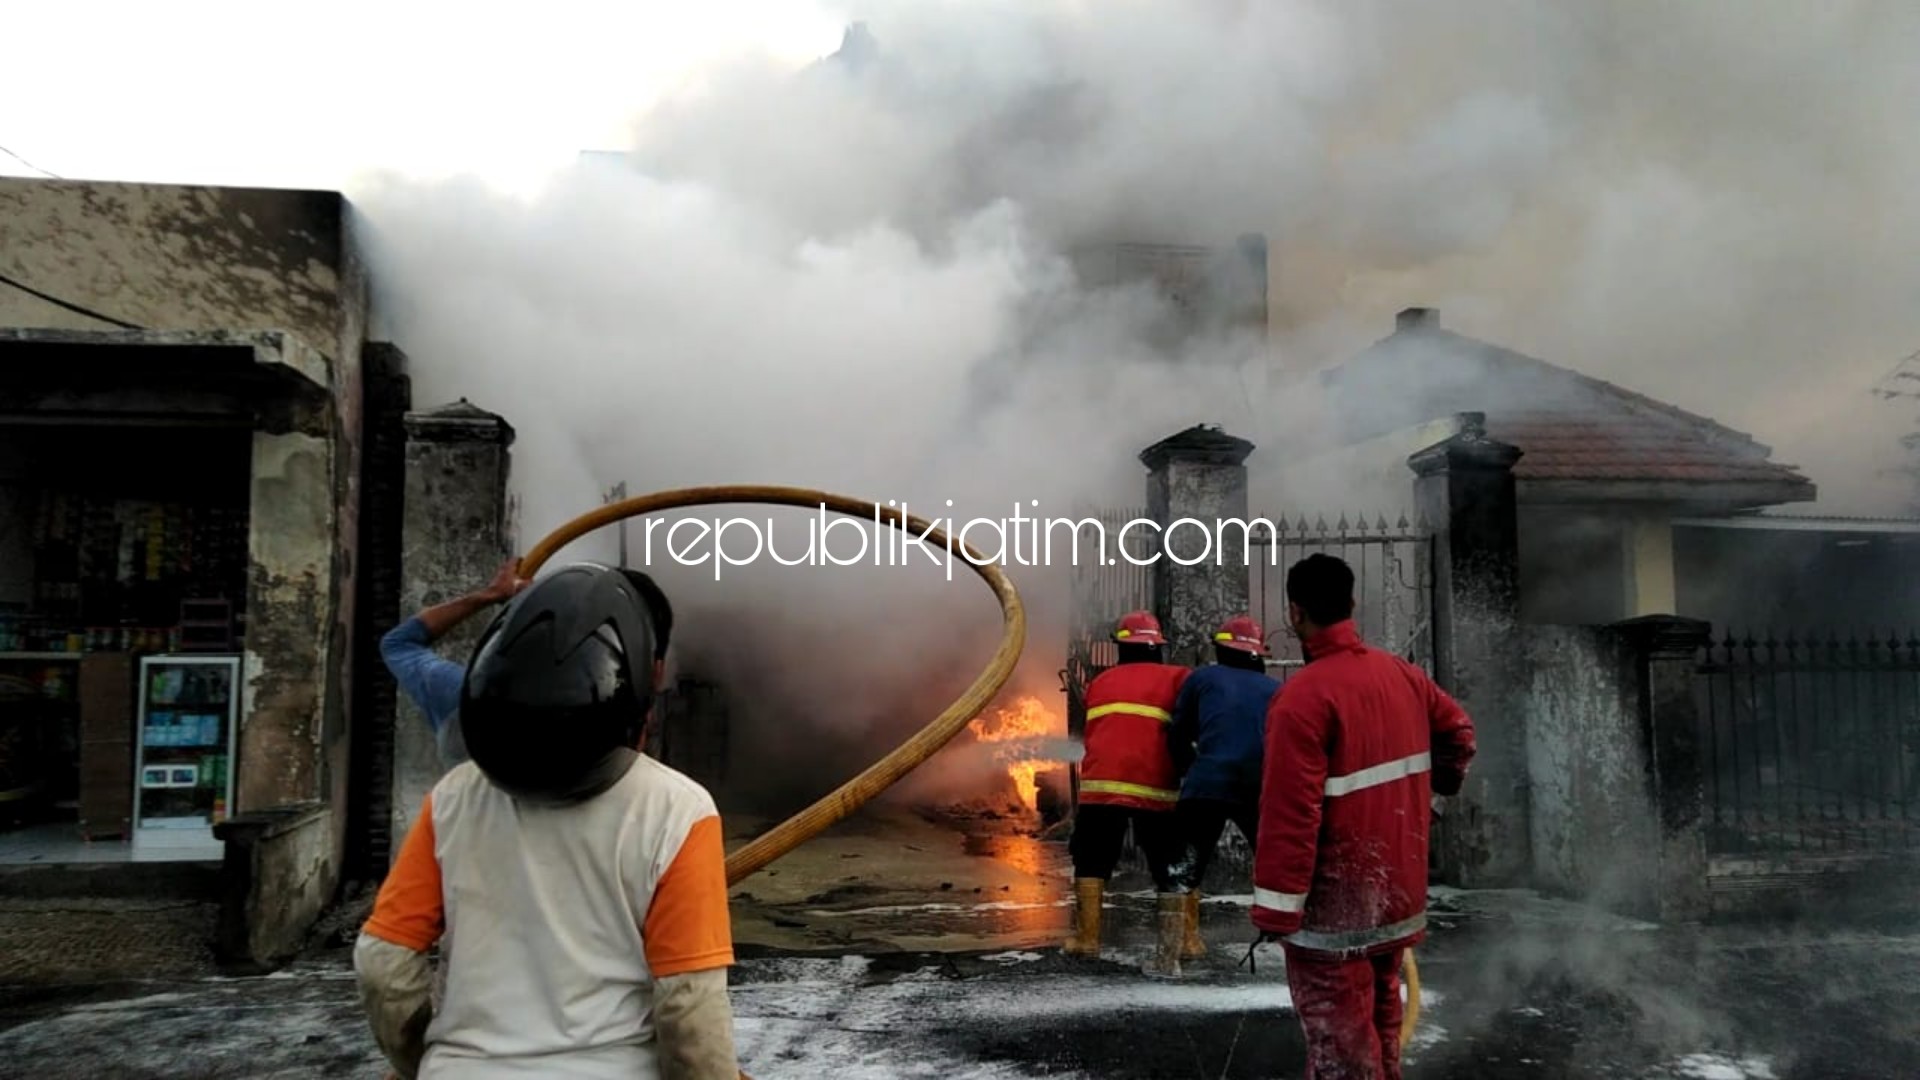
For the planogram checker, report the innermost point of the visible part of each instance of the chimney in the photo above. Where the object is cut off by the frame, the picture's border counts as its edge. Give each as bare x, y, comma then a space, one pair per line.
1416, 318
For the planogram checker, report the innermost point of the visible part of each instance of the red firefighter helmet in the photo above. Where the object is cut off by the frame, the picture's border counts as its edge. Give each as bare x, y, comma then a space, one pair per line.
1243, 633
1139, 628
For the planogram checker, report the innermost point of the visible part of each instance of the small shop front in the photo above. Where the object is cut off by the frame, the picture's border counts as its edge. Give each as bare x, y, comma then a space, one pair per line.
123, 586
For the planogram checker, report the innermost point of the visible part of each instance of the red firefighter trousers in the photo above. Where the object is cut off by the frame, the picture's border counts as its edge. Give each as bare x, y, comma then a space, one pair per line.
1350, 1010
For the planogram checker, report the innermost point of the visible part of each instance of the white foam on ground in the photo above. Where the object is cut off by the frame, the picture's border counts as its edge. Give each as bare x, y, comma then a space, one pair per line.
817, 1021
938, 909
1722, 1067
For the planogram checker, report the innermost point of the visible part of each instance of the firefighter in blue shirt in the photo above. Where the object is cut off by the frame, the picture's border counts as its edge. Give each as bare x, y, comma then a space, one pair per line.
1218, 740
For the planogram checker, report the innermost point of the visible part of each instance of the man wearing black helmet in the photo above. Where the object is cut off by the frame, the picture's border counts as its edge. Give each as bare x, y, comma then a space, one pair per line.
578, 887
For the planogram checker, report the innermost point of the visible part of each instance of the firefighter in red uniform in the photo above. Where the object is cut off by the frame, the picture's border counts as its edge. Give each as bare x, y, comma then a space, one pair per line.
1127, 780
1358, 742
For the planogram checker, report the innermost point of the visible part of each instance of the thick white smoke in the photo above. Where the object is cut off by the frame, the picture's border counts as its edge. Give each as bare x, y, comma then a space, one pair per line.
853, 276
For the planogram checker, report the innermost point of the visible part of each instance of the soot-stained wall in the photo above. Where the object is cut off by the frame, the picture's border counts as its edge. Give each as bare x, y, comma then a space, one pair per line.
170, 258
1593, 825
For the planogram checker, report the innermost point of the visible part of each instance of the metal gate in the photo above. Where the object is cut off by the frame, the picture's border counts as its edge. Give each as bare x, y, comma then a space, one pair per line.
1392, 567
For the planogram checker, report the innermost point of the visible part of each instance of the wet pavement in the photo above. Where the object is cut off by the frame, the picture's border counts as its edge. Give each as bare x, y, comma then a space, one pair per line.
1514, 987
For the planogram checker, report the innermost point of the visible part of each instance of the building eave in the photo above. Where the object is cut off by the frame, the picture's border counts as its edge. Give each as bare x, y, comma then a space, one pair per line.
1808, 523
278, 350
1700, 498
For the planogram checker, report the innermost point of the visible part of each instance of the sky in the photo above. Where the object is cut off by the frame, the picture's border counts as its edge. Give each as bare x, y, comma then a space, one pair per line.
275, 95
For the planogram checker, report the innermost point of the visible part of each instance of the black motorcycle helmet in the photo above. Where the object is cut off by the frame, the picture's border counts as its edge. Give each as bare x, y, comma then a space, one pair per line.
558, 689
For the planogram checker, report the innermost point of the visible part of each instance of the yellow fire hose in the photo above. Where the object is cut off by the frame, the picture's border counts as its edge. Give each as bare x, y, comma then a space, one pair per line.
1410, 973
841, 803
837, 805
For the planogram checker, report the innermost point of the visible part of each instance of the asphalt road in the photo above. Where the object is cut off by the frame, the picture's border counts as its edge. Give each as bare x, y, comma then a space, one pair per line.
1515, 988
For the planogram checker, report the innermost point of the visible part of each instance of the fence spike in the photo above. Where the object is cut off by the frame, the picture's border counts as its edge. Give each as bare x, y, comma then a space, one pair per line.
1381, 522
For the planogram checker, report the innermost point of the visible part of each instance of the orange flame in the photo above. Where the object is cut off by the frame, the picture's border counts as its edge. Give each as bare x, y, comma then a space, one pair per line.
1026, 719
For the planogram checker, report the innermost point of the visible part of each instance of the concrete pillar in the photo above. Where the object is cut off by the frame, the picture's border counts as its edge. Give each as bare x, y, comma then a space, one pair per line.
281, 859
1665, 653
454, 535
290, 648
1648, 564
1465, 490
1196, 480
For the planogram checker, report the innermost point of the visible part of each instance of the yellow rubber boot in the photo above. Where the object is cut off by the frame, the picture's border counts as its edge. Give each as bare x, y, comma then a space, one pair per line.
1195, 946
1172, 919
1088, 894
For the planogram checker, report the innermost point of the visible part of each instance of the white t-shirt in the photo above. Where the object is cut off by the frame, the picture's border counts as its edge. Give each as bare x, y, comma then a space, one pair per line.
557, 920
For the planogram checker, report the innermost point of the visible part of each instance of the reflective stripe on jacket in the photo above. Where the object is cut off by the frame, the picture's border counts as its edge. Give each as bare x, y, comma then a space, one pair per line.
1357, 743
1127, 763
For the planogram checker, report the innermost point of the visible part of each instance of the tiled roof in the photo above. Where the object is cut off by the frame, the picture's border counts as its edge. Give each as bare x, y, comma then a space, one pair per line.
1602, 446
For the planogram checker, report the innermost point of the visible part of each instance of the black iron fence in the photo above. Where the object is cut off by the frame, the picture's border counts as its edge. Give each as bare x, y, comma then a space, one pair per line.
1811, 744
1392, 565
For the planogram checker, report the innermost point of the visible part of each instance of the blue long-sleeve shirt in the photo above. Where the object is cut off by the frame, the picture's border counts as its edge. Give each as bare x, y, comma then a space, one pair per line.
1219, 732
431, 680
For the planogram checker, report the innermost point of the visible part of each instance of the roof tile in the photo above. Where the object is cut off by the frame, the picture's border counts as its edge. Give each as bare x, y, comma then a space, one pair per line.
1599, 446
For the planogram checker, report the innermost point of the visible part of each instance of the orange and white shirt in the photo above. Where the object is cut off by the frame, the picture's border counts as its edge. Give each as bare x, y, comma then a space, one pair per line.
557, 920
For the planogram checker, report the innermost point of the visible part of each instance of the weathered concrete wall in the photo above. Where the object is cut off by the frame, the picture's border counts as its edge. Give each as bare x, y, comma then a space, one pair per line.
278, 877
1594, 827
167, 257
1617, 792
171, 259
180, 258
454, 535
290, 647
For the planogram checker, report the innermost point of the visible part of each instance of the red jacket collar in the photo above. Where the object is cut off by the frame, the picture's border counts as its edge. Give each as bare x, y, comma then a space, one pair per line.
1342, 636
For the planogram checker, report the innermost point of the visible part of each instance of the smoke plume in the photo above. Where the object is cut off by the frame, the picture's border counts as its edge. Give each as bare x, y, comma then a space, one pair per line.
858, 276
